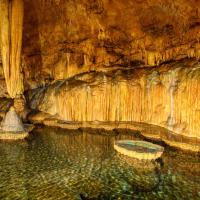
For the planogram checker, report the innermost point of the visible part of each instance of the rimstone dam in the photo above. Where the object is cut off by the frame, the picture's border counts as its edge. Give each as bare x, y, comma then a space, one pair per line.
100, 99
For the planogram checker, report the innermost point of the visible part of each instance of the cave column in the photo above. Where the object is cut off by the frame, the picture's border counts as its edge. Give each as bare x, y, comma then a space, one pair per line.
11, 24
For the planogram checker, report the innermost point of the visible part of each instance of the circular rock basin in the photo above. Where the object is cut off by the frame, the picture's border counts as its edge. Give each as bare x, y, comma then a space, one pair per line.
139, 149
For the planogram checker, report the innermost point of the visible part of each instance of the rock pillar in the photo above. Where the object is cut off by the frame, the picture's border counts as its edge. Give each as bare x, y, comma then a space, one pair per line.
11, 24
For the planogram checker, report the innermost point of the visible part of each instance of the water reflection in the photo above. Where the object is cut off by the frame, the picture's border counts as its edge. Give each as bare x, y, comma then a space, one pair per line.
82, 164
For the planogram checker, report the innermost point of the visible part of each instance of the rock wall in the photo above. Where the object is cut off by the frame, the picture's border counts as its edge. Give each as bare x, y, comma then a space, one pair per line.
63, 38
167, 96
133, 60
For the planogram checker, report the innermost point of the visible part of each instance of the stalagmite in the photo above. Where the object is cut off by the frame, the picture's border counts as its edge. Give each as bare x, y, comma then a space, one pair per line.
12, 122
12, 127
11, 22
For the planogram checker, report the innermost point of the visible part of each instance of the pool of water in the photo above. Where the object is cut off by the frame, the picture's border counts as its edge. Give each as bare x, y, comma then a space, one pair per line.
60, 164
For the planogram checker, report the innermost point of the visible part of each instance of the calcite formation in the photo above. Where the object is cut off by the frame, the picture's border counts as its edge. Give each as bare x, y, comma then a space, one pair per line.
11, 23
139, 149
104, 60
12, 127
65, 38
167, 96
12, 122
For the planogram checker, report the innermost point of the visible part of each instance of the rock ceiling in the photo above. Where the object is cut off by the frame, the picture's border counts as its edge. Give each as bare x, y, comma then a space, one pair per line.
67, 37
63, 38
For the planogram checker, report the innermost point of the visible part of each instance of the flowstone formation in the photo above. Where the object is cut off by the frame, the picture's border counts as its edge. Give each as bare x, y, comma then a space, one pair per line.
138, 149
166, 96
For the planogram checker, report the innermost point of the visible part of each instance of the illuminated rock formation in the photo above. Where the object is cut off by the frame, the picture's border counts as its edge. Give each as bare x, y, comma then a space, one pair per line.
11, 19
104, 60
166, 96
141, 150
65, 38
12, 122
11, 24
89, 35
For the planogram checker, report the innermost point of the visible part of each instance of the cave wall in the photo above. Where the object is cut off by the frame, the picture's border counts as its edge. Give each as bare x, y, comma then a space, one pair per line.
133, 60
167, 96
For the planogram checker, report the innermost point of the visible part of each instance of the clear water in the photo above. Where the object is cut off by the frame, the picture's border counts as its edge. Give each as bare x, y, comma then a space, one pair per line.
59, 164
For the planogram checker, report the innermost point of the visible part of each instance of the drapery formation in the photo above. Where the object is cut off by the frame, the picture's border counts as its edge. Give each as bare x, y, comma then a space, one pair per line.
166, 96
11, 23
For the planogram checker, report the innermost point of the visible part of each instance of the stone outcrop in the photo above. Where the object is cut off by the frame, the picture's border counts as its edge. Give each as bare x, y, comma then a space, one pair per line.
64, 38
12, 128
167, 96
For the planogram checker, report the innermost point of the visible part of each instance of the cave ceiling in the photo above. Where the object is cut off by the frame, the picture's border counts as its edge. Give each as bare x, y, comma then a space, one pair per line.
62, 38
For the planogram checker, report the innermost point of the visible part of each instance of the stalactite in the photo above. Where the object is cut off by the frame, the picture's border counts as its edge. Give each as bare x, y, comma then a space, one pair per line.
153, 58
11, 22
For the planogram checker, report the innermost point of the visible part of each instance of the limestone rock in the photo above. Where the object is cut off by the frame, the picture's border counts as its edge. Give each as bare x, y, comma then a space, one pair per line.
155, 96
3, 89
104, 60
141, 150
38, 117
12, 122
5, 105
65, 38
21, 107
11, 24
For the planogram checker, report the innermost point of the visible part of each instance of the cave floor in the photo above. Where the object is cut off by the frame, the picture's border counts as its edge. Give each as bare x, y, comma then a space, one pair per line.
54, 163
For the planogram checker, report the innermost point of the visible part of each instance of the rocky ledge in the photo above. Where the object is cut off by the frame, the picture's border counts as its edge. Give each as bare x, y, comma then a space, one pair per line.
162, 100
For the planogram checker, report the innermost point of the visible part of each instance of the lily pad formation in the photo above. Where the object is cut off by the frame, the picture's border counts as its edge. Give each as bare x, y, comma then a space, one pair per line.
139, 149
